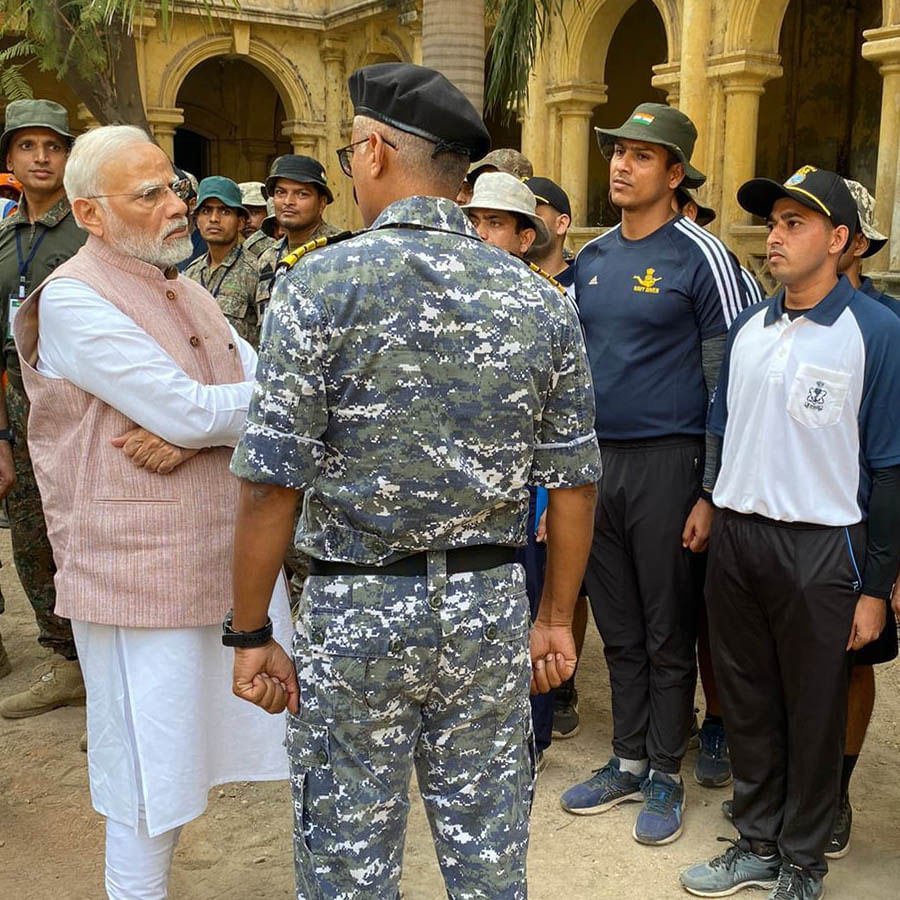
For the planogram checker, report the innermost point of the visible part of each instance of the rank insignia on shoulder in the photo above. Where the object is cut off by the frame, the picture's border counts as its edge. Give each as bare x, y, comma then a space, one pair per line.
288, 261
548, 276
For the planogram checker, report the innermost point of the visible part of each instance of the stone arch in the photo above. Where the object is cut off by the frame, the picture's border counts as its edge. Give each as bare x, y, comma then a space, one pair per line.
755, 25
582, 63
286, 79
391, 44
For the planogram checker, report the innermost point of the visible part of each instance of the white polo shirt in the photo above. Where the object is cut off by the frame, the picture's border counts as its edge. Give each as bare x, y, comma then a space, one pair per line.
808, 408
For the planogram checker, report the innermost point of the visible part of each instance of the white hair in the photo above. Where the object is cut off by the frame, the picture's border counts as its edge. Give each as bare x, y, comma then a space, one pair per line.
92, 151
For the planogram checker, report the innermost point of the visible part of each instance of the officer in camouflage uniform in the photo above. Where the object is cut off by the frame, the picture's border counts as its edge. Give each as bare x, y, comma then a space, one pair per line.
298, 187
33, 242
413, 381
258, 239
228, 272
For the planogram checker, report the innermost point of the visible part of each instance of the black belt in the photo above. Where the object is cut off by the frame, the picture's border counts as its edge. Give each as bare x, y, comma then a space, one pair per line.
459, 559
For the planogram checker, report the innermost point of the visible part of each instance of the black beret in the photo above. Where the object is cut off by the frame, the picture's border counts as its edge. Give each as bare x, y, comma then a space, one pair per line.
422, 102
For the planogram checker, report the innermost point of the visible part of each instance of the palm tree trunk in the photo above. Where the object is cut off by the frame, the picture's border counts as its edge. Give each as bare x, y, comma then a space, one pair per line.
453, 43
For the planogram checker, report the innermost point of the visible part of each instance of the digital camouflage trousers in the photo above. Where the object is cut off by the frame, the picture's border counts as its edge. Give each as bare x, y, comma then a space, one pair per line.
396, 672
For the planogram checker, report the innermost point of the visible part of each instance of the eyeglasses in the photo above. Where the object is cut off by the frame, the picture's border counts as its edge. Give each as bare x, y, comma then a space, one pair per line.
345, 153
155, 194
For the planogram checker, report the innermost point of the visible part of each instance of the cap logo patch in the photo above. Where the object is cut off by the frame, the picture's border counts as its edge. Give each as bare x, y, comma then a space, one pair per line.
799, 176
643, 118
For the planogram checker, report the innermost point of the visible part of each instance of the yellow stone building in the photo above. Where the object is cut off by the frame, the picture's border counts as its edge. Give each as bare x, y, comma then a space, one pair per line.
771, 85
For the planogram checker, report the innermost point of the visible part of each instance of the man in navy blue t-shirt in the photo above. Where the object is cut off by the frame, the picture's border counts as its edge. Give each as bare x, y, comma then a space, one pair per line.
656, 296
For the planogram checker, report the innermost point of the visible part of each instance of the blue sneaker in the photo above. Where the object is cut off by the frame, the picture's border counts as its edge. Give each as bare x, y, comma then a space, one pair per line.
735, 869
713, 767
606, 788
659, 821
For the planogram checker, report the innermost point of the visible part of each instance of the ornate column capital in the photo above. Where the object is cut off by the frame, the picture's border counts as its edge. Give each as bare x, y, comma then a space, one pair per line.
882, 48
667, 77
164, 120
574, 98
745, 71
333, 50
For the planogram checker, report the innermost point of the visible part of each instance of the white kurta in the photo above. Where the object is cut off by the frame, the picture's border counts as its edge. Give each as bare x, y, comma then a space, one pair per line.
162, 721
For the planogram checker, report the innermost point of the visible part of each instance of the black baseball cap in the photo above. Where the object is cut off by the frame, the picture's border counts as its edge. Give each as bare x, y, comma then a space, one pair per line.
822, 191
705, 214
302, 169
422, 102
546, 191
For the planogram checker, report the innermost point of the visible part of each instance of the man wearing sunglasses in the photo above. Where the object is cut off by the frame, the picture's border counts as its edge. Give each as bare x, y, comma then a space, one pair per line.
413, 381
139, 388
39, 236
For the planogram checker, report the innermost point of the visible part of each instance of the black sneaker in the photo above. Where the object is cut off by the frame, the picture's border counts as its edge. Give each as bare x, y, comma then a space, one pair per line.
728, 809
795, 883
839, 845
566, 722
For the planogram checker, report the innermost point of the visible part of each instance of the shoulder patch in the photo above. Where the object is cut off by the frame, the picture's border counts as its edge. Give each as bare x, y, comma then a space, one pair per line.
291, 259
548, 276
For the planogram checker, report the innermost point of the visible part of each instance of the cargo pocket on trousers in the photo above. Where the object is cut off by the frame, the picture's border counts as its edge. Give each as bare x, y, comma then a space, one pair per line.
311, 789
503, 671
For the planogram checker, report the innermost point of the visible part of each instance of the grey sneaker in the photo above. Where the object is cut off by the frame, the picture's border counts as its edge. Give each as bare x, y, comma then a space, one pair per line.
730, 872
795, 883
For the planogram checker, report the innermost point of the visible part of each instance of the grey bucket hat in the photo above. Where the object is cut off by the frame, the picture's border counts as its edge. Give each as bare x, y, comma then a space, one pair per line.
252, 193
657, 123
865, 204
33, 114
500, 190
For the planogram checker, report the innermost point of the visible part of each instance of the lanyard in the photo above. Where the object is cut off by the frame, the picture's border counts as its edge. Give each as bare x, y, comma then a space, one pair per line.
24, 264
224, 270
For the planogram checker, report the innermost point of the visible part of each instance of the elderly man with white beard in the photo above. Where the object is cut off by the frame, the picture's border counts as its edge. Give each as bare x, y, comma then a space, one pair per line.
139, 389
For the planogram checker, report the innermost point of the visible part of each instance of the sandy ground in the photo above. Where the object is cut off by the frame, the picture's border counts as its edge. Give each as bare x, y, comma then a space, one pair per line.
51, 841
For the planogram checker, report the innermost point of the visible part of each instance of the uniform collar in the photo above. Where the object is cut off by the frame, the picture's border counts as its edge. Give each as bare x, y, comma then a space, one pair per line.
431, 213
233, 254
867, 286
825, 312
49, 219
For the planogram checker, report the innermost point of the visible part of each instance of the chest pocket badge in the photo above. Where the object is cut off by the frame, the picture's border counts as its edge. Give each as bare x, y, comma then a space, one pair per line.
817, 395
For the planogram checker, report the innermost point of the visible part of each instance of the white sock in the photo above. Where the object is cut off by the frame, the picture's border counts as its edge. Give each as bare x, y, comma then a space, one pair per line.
137, 865
676, 777
636, 767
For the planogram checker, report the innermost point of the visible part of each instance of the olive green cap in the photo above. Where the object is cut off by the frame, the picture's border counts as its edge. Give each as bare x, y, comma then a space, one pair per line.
223, 189
657, 123
33, 114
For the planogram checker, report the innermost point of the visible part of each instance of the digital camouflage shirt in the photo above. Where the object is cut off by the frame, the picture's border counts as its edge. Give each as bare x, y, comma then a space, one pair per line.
233, 284
412, 381
257, 244
272, 255
51, 240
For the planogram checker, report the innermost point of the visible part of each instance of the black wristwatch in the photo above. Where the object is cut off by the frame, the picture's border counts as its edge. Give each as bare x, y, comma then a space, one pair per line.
6, 434
232, 638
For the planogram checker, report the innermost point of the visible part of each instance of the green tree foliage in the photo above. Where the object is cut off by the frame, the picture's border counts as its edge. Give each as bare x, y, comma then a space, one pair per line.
87, 43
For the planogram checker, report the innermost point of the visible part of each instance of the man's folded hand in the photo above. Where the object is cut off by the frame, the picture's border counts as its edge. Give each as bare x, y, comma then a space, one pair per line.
148, 451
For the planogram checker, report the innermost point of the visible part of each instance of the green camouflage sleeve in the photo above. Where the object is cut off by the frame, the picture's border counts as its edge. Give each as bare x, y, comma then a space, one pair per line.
566, 452
281, 443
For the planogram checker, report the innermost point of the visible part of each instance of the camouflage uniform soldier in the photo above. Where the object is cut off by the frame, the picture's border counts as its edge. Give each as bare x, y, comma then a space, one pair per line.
33, 242
258, 239
503, 160
298, 187
413, 381
226, 270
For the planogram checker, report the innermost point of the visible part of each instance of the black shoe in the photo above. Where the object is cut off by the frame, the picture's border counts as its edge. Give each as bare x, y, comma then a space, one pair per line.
839, 845
728, 809
566, 723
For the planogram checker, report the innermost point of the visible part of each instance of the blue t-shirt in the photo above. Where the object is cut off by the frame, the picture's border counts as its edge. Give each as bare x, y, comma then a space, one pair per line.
645, 306
867, 286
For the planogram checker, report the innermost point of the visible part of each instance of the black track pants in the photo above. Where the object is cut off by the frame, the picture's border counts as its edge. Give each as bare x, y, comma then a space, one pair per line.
640, 585
780, 599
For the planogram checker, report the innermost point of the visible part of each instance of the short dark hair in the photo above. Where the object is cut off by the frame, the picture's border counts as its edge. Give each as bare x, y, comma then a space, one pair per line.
523, 222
